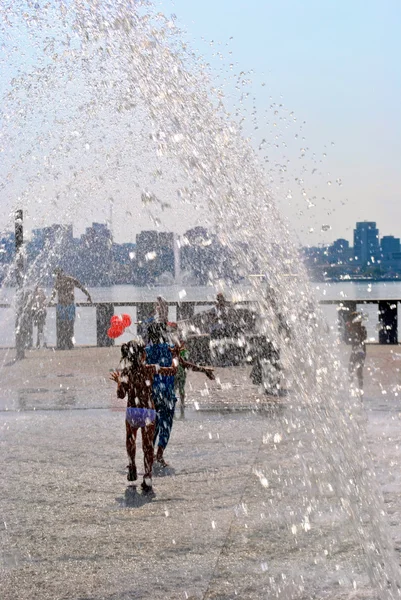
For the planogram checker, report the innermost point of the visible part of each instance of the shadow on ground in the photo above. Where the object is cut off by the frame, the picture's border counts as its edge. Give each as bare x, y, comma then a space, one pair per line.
133, 498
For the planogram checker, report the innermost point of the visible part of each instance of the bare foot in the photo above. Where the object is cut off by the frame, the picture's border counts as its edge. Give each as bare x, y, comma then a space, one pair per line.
159, 458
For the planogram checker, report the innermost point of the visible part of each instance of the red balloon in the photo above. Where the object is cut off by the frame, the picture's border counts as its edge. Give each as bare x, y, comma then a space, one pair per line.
116, 330
126, 320
115, 320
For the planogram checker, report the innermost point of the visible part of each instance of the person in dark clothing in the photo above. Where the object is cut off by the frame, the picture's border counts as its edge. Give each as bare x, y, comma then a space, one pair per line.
160, 352
357, 335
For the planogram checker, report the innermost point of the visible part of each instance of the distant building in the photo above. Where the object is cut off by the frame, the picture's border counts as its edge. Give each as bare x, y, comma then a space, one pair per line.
207, 258
340, 245
7, 253
52, 237
95, 255
366, 242
7, 248
339, 252
50, 247
166, 253
146, 242
154, 255
389, 245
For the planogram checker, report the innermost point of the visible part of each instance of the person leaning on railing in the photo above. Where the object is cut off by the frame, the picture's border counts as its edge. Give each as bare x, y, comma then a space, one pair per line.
64, 287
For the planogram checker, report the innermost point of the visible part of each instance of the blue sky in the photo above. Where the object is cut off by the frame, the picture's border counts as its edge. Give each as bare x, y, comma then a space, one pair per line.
336, 64
324, 93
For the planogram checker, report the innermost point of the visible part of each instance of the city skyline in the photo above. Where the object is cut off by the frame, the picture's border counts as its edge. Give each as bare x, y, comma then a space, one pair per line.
96, 259
156, 256
79, 231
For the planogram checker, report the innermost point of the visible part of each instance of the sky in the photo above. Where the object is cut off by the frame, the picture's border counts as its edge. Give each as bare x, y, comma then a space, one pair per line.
322, 85
336, 65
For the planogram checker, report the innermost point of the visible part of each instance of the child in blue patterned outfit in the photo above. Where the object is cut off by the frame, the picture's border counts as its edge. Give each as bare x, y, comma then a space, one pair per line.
161, 353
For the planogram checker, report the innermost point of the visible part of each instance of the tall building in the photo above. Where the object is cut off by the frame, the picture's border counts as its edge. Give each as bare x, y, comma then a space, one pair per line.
154, 255
95, 260
339, 252
389, 245
48, 248
7, 247
146, 245
366, 242
52, 238
166, 253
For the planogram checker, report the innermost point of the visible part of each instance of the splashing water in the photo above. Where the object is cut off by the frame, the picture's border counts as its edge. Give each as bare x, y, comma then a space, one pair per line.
99, 95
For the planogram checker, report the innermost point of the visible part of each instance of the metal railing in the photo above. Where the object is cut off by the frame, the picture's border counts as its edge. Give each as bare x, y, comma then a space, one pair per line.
387, 314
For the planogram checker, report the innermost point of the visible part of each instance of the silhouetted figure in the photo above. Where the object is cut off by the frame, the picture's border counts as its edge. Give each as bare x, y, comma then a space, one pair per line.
161, 310
39, 313
221, 326
26, 318
221, 305
267, 368
357, 335
160, 352
65, 316
282, 326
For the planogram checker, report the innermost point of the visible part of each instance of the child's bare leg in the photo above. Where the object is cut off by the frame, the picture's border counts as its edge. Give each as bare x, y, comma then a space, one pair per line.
181, 392
131, 451
359, 374
165, 423
147, 447
182, 395
159, 456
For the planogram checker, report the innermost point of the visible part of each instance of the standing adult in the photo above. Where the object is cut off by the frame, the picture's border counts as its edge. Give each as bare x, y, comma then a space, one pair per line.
161, 310
357, 337
39, 314
25, 320
220, 317
64, 287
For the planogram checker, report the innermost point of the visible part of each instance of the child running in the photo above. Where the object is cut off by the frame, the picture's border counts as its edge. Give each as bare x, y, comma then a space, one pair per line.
181, 378
159, 351
135, 381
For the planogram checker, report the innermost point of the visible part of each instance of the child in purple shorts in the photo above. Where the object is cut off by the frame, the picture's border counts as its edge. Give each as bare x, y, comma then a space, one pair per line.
135, 381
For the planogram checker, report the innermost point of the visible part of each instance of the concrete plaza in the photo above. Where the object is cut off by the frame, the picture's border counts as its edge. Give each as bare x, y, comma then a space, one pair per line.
220, 524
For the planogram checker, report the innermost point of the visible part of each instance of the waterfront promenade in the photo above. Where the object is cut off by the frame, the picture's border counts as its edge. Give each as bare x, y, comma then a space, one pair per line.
219, 525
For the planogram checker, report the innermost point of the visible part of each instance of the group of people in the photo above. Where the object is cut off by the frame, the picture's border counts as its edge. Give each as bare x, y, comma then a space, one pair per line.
35, 306
148, 377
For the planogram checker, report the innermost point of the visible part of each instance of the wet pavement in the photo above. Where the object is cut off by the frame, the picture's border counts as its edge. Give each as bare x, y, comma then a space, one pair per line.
228, 518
